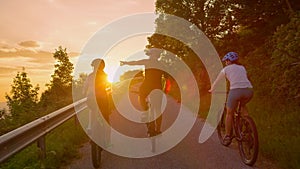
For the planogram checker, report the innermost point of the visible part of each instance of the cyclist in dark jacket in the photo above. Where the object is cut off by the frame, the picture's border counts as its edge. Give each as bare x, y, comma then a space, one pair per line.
152, 80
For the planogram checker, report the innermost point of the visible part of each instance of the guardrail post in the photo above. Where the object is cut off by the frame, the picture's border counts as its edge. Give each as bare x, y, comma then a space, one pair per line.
41, 143
35, 131
76, 121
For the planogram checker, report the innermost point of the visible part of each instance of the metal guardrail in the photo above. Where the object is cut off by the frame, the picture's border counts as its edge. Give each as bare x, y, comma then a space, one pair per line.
14, 141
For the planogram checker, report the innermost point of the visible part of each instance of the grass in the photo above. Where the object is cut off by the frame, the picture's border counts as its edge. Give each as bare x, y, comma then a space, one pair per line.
278, 127
279, 132
61, 147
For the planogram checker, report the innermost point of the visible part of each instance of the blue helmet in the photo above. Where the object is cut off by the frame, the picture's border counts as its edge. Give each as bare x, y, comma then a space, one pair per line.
231, 56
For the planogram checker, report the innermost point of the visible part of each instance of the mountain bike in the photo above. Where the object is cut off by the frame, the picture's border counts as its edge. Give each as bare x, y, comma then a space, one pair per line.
151, 119
245, 132
96, 150
96, 154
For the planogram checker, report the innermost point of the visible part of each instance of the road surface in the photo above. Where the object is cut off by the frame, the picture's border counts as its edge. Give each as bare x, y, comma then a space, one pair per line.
188, 154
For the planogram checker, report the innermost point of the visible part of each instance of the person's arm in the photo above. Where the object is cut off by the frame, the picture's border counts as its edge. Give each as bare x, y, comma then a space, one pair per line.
219, 77
138, 62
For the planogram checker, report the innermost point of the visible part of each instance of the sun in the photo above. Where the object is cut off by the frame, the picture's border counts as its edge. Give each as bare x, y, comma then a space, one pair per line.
112, 76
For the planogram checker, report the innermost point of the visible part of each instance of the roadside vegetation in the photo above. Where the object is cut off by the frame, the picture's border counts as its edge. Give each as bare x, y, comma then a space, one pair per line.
24, 106
265, 34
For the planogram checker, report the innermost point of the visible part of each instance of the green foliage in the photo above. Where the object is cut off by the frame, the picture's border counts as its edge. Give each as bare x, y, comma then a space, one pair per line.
23, 94
3, 113
62, 144
61, 147
22, 101
62, 76
214, 18
130, 74
266, 36
59, 92
78, 86
286, 59
278, 129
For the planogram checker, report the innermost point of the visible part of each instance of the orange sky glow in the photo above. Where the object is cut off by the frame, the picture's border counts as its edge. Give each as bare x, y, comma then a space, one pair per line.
31, 30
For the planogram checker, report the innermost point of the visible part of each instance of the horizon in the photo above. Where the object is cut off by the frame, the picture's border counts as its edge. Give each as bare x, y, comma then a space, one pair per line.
29, 39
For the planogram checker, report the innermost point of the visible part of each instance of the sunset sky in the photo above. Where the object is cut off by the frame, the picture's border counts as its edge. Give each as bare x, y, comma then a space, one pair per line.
31, 30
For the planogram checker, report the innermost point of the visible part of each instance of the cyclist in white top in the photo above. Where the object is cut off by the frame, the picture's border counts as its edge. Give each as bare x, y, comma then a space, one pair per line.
240, 90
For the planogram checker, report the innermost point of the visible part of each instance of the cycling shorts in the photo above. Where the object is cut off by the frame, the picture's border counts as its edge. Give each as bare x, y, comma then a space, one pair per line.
240, 95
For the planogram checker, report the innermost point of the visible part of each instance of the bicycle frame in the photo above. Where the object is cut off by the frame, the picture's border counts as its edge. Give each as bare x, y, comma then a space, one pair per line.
236, 120
245, 132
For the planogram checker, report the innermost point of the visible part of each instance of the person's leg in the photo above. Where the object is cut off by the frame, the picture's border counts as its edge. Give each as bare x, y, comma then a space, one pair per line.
231, 105
143, 102
228, 122
246, 97
151, 128
103, 106
156, 99
105, 111
143, 93
158, 124
244, 110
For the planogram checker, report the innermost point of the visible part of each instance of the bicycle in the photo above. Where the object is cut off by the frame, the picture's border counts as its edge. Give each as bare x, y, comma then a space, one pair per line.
150, 117
152, 121
96, 150
96, 154
245, 132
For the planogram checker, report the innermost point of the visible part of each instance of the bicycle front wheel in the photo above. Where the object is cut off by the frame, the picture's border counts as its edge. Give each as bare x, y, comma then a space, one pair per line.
96, 154
248, 141
221, 128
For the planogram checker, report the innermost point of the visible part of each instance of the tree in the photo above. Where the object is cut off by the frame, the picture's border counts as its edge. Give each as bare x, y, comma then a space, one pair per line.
62, 76
59, 92
285, 45
3, 113
211, 17
23, 99
214, 18
78, 86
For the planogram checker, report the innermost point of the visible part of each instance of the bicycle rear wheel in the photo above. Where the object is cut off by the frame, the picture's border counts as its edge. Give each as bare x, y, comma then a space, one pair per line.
248, 141
96, 154
221, 128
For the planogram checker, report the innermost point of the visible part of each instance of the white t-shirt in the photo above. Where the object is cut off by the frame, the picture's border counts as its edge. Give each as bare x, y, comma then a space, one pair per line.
237, 76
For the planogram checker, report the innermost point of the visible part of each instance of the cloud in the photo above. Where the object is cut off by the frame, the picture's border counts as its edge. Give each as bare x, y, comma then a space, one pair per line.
5, 71
34, 55
29, 44
38, 56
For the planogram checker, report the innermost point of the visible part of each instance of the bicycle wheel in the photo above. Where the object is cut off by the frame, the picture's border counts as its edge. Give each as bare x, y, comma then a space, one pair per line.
96, 154
221, 128
248, 141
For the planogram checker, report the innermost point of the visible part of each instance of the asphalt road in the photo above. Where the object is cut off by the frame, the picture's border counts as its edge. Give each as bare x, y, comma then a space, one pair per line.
188, 154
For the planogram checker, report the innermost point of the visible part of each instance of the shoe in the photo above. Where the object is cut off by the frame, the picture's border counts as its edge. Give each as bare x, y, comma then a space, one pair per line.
227, 140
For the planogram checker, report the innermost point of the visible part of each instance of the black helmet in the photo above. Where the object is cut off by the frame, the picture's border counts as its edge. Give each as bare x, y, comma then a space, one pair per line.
153, 51
98, 62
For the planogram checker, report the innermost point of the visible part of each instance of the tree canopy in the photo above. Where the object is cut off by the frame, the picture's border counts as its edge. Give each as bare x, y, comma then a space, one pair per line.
265, 34
59, 92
